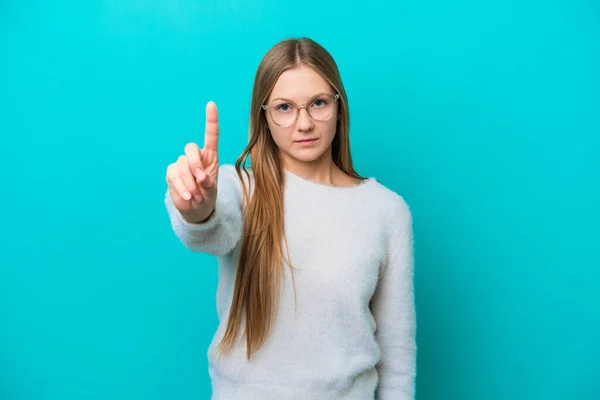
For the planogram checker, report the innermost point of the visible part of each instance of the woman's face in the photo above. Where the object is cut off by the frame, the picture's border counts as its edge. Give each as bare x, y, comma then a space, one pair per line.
294, 88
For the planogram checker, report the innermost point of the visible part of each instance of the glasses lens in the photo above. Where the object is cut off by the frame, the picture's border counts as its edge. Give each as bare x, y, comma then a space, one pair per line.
322, 107
283, 114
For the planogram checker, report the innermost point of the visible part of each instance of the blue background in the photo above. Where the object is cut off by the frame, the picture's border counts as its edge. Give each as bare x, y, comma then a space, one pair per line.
483, 115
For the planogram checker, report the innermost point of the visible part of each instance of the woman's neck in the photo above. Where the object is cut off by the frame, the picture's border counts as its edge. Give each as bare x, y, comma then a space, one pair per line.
324, 172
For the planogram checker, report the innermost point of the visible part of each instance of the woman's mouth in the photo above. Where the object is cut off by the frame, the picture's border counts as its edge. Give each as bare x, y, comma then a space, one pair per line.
306, 142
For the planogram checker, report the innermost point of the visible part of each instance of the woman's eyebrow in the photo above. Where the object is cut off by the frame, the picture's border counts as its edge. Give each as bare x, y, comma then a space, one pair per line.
311, 97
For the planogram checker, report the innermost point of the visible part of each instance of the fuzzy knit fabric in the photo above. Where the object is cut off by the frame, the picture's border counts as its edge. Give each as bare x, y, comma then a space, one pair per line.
349, 332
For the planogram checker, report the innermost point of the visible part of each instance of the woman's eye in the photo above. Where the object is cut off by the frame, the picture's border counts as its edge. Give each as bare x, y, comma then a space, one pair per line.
283, 107
319, 103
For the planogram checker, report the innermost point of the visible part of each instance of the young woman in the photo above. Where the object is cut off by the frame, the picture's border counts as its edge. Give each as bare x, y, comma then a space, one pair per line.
315, 292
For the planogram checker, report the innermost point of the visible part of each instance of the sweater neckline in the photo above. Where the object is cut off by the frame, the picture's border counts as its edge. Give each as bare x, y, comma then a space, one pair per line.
323, 186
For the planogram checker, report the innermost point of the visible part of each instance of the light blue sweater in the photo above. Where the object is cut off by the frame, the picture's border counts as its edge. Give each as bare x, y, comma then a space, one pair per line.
352, 332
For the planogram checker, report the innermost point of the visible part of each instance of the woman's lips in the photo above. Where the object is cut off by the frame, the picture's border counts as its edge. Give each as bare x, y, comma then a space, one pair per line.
306, 142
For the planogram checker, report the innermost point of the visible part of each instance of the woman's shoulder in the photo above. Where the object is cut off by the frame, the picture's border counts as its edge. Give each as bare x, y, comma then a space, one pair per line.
228, 171
229, 181
393, 212
389, 199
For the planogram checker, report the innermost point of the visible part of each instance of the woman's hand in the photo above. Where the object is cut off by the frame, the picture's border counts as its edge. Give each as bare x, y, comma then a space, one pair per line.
192, 179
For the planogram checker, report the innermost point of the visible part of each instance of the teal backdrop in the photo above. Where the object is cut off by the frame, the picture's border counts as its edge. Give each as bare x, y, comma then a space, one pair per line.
484, 115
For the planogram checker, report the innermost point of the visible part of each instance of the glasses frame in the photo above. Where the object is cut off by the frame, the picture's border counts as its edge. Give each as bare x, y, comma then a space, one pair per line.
268, 107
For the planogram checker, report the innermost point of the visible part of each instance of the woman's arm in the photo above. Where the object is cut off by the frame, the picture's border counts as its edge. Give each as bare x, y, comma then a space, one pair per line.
393, 308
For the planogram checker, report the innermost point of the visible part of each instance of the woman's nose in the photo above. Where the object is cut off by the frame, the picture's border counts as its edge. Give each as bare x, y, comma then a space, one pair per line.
304, 120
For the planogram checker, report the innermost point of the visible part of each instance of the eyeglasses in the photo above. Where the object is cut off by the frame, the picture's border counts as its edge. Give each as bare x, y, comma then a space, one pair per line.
285, 112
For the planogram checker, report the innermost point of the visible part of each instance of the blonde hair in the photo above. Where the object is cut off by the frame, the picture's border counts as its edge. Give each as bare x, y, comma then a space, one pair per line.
260, 266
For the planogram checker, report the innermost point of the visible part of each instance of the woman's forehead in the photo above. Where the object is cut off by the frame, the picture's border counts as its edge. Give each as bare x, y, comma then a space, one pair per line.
299, 84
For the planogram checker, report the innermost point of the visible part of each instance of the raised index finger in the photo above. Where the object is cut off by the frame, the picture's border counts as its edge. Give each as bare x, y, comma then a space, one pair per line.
211, 135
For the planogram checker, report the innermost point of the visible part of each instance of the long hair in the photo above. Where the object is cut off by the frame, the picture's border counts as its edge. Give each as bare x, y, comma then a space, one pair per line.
261, 259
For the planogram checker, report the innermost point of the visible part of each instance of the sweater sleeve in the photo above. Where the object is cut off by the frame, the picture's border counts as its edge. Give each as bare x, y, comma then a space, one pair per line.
393, 308
220, 233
